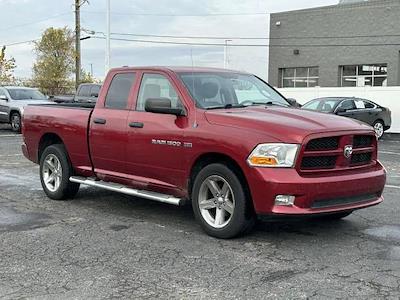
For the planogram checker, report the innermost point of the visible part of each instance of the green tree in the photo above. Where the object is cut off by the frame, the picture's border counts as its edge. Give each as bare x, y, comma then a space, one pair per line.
7, 67
86, 77
55, 61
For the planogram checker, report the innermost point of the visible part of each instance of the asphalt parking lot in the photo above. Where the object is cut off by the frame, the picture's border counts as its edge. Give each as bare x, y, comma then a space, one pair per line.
106, 245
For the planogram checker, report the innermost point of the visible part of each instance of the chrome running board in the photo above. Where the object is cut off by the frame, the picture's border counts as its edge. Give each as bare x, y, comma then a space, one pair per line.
119, 188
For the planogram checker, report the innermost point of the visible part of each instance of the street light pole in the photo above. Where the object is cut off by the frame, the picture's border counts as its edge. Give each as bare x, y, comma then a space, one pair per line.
77, 43
226, 54
108, 25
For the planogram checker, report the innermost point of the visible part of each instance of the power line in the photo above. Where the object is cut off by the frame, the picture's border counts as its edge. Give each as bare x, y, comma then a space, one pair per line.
34, 22
251, 45
251, 38
19, 43
178, 15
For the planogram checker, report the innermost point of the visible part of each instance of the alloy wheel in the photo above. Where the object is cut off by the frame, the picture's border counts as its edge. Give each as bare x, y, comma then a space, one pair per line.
52, 172
216, 201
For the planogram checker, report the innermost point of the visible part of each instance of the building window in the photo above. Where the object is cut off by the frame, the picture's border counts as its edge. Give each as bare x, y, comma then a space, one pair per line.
363, 75
299, 77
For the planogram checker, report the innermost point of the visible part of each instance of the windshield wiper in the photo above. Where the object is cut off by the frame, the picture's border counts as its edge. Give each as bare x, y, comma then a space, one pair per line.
227, 106
276, 103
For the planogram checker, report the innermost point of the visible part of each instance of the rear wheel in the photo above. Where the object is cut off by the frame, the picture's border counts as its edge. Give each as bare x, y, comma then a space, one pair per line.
55, 171
379, 129
15, 122
220, 204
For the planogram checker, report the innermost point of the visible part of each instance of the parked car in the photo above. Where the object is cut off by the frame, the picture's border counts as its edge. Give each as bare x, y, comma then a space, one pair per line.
14, 99
225, 141
364, 110
86, 93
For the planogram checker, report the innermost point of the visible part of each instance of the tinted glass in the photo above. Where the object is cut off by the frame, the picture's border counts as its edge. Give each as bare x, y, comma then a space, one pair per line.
347, 104
118, 92
349, 70
156, 86
84, 91
368, 104
95, 90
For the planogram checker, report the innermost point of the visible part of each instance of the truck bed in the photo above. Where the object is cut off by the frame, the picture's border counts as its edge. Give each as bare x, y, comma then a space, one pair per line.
67, 121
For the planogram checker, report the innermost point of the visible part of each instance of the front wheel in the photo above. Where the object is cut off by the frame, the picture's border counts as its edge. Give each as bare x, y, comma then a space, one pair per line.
220, 204
15, 122
379, 129
55, 171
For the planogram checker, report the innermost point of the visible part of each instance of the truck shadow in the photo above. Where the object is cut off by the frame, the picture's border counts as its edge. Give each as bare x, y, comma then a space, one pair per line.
132, 209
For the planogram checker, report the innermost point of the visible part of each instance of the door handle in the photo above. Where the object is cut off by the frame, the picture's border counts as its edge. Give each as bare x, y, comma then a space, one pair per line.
136, 124
99, 121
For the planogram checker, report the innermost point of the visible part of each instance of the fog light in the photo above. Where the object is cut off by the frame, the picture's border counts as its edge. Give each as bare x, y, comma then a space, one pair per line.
284, 200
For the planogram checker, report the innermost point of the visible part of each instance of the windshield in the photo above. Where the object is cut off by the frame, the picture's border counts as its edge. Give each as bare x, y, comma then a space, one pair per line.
225, 90
327, 105
26, 94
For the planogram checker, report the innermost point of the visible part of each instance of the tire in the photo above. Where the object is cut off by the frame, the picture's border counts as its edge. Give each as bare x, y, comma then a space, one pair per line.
15, 122
220, 204
336, 216
55, 171
379, 128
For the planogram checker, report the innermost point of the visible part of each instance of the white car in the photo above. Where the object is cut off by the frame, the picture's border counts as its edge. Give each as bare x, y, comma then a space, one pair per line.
13, 99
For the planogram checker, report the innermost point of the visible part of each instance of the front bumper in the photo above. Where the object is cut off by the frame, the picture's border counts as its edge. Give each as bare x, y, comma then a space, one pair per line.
316, 194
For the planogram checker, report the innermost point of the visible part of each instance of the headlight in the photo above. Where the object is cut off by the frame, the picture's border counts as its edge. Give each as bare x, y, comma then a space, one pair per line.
273, 155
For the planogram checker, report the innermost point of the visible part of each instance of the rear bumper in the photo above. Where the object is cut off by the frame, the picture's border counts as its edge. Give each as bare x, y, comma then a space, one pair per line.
316, 194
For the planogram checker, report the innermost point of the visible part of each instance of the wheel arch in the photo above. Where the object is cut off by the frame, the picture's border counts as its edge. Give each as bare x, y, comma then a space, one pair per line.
216, 157
46, 140
13, 111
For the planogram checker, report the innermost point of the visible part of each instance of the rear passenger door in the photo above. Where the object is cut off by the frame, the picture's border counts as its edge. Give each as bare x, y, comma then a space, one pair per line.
108, 127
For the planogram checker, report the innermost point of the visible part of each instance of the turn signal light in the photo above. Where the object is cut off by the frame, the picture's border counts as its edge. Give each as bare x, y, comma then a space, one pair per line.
267, 161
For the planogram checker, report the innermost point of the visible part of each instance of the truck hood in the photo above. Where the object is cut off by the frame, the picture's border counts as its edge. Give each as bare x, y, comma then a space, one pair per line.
285, 124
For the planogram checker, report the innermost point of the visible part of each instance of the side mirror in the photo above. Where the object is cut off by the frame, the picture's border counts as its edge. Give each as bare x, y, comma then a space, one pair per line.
162, 106
341, 110
293, 102
3, 97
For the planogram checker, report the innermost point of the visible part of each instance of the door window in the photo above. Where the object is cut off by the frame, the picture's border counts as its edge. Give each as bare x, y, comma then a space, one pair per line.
347, 105
95, 90
84, 91
156, 86
118, 92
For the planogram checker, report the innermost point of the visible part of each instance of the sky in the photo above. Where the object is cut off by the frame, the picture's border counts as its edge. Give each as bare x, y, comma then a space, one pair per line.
25, 20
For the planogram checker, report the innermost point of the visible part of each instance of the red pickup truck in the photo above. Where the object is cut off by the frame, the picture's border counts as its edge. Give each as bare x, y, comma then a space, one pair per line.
223, 140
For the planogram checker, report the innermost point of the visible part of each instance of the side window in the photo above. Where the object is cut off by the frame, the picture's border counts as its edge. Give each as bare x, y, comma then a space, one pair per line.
118, 92
94, 90
368, 104
2, 93
156, 86
84, 91
347, 105
360, 104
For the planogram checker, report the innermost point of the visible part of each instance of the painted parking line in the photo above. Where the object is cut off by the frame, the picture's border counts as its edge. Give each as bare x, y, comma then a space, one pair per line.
11, 155
388, 152
393, 186
10, 135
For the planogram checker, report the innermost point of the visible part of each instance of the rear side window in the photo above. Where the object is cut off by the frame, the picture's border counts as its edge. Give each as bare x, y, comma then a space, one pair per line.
95, 90
118, 92
84, 91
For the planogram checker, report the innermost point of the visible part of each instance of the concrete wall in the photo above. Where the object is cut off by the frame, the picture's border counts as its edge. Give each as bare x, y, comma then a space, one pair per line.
377, 18
385, 96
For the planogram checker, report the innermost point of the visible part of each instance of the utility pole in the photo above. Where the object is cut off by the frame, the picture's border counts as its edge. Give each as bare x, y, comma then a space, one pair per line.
77, 43
108, 25
226, 60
